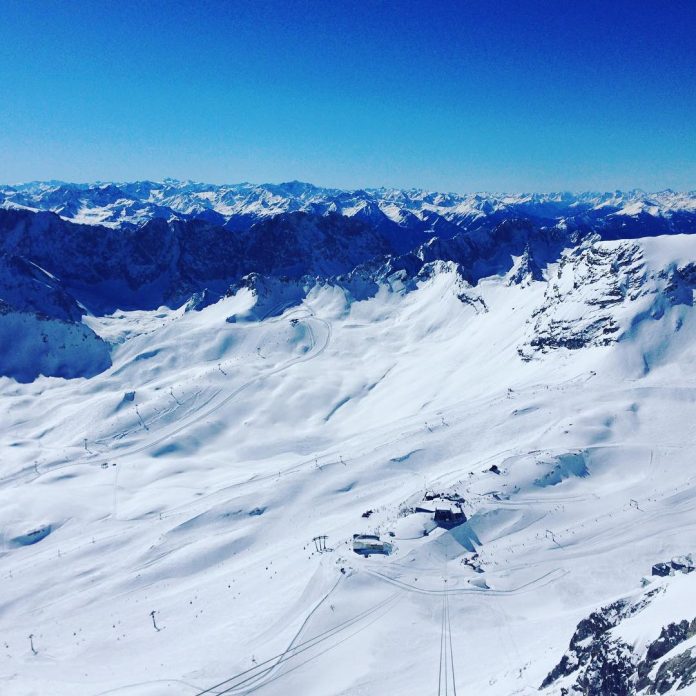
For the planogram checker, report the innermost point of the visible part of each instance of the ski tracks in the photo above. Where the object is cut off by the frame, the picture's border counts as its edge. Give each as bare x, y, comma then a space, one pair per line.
271, 669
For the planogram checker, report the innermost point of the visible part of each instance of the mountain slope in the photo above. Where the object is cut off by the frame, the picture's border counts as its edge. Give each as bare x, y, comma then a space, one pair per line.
305, 378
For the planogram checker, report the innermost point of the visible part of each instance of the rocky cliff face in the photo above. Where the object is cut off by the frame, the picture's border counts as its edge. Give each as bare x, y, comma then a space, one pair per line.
582, 295
645, 644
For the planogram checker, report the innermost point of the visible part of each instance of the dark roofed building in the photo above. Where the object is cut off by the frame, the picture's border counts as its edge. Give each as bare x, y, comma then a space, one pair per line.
448, 518
662, 569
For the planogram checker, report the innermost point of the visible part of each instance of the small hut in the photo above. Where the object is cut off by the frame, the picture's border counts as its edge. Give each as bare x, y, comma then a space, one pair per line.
662, 570
369, 544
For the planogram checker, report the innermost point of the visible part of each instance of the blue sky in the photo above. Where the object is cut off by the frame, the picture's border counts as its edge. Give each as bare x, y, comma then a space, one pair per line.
456, 96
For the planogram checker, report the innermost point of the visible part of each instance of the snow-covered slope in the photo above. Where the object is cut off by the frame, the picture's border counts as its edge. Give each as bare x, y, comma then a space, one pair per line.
538, 379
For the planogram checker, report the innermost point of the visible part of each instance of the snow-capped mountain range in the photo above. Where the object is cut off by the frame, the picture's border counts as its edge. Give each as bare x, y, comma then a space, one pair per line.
208, 391
237, 206
164, 244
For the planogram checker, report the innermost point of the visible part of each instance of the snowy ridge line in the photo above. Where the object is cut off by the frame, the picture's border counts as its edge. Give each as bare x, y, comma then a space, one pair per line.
294, 649
135, 203
298, 250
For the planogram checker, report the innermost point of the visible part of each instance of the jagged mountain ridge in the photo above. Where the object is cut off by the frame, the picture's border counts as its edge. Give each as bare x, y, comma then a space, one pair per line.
238, 206
165, 260
56, 269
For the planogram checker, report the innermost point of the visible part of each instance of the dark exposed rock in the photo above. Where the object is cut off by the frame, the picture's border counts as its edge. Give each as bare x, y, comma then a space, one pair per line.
599, 663
591, 279
677, 672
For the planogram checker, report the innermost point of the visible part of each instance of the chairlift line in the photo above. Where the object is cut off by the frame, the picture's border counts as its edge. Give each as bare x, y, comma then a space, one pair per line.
449, 630
446, 671
442, 636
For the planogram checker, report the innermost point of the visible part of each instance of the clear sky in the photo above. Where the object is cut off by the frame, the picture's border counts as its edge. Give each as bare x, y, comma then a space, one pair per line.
457, 96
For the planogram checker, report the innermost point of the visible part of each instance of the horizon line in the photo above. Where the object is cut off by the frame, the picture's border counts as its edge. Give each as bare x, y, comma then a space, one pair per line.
367, 189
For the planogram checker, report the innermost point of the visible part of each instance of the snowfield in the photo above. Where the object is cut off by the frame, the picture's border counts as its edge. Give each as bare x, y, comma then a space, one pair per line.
191, 477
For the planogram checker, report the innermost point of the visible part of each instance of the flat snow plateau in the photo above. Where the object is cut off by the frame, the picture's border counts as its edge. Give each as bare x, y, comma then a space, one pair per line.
190, 478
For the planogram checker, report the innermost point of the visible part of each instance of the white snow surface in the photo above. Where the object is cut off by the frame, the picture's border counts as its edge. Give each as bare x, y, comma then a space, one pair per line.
191, 477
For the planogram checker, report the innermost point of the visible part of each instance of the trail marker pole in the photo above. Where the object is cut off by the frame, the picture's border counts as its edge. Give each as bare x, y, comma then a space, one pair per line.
550, 535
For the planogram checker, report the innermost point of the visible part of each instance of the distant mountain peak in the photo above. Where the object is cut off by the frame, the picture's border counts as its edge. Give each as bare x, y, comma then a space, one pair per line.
131, 204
